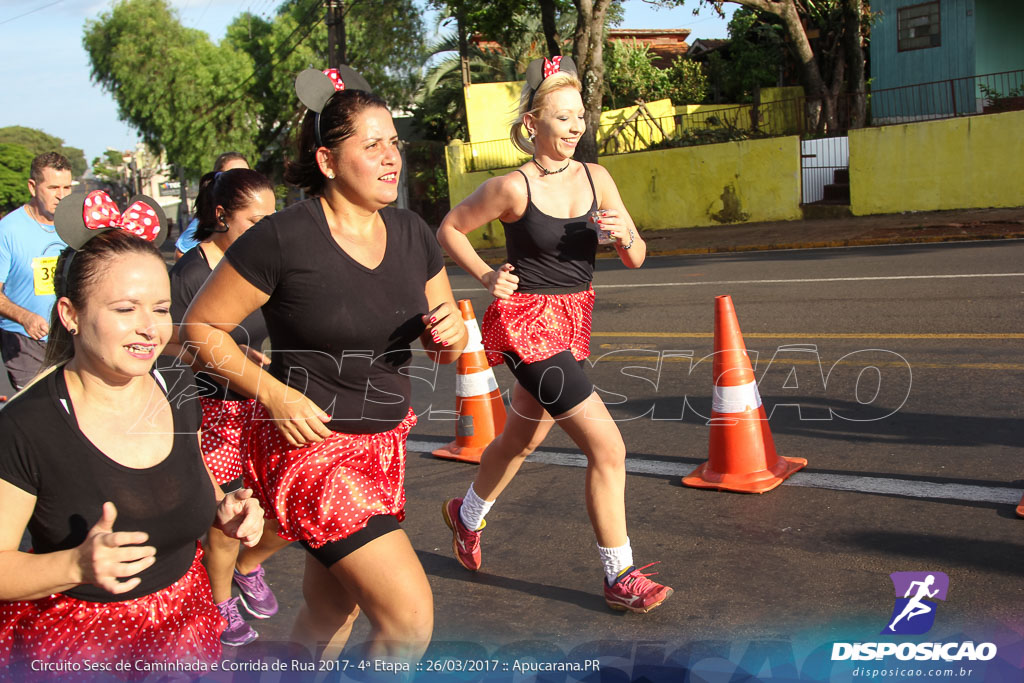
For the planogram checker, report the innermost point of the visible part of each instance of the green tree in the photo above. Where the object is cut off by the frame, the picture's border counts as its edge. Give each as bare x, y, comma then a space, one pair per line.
836, 65
755, 56
15, 163
440, 104
168, 82
37, 142
197, 99
109, 167
630, 75
687, 82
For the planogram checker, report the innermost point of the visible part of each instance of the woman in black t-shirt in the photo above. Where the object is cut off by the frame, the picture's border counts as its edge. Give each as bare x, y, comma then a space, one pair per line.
552, 210
229, 203
102, 465
346, 284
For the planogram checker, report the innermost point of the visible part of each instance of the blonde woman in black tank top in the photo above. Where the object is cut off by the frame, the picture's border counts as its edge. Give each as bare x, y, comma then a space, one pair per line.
540, 320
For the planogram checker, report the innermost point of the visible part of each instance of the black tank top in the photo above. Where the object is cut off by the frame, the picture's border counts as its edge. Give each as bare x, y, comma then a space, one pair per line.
552, 255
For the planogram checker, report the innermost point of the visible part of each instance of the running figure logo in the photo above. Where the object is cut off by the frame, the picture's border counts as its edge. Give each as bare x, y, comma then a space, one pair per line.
914, 612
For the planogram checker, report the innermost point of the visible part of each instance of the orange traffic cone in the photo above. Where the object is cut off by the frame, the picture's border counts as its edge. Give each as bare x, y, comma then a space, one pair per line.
741, 454
477, 400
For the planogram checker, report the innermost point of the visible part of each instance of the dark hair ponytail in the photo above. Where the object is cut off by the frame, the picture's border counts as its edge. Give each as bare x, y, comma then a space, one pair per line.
233, 190
74, 280
337, 122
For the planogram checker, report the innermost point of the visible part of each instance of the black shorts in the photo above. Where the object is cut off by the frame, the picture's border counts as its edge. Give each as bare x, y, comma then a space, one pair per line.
330, 553
559, 383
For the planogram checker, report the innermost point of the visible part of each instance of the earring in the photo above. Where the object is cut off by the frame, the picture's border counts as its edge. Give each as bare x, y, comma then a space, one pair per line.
532, 136
331, 175
73, 331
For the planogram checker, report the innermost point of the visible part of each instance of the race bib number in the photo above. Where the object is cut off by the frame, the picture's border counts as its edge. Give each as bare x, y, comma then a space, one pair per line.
43, 270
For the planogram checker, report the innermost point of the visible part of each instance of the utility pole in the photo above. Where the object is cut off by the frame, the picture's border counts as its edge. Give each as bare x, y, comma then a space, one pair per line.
335, 33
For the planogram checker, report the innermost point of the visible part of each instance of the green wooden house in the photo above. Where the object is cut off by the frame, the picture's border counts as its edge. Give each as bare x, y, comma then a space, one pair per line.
946, 49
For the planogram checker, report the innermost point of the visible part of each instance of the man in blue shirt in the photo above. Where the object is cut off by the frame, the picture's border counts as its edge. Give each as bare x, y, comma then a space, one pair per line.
29, 247
187, 239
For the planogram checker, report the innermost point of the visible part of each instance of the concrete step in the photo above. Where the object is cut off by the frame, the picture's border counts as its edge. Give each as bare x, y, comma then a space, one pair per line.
838, 192
825, 210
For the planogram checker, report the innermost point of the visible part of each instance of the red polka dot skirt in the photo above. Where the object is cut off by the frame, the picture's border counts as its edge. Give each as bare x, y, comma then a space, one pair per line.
179, 623
537, 326
223, 423
326, 491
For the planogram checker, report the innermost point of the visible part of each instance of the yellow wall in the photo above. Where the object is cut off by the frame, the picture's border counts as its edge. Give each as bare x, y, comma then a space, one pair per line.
739, 182
462, 184
970, 162
491, 108
753, 180
638, 134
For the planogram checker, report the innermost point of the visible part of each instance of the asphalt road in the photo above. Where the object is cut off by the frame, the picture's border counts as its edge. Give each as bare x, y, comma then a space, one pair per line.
895, 371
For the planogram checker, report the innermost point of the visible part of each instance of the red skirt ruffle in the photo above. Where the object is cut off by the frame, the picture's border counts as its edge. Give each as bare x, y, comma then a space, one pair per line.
329, 490
223, 424
537, 326
178, 624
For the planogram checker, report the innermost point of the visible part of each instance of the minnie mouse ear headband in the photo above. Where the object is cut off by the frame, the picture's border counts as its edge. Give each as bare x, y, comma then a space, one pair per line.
541, 68
79, 218
315, 87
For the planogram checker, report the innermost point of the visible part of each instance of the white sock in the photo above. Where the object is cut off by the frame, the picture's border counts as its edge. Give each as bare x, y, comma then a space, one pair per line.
615, 560
474, 509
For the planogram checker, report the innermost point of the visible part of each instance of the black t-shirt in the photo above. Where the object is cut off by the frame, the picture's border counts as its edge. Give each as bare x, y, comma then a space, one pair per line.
187, 277
46, 454
341, 332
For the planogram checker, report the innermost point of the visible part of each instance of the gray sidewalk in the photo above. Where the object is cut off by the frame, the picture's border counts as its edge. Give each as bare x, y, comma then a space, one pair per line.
844, 231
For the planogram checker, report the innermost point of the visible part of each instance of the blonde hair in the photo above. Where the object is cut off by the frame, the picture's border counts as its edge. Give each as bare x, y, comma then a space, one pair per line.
517, 131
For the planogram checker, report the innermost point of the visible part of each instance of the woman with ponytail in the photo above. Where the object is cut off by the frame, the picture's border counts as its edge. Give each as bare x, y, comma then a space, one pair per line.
229, 203
347, 284
552, 209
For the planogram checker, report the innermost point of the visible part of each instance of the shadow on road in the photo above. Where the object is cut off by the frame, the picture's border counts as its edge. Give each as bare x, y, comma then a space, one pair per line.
446, 567
998, 556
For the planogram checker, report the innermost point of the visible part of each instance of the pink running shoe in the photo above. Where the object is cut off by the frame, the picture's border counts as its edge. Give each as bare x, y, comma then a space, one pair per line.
634, 592
465, 543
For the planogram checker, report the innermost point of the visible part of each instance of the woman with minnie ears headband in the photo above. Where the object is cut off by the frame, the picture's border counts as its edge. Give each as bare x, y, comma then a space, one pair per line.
350, 283
540, 320
229, 203
101, 463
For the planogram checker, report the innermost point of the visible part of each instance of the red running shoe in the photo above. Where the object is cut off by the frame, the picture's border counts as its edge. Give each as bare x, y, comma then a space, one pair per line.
465, 543
634, 592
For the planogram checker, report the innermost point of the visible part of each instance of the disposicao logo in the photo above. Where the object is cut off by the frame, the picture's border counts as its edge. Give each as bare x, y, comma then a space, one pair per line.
914, 611
913, 614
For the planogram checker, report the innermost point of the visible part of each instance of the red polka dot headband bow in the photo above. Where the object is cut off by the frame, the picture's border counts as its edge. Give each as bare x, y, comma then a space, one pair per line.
335, 77
315, 87
542, 68
551, 65
79, 218
100, 212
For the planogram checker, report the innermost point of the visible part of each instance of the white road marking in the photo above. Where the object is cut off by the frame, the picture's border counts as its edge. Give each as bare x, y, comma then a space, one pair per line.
838, 482
786, 281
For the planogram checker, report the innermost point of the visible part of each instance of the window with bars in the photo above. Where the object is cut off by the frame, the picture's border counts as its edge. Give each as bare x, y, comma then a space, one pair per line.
918, 27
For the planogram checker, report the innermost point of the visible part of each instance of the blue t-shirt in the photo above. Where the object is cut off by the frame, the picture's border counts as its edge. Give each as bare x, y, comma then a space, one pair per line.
187, 239
28, 259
